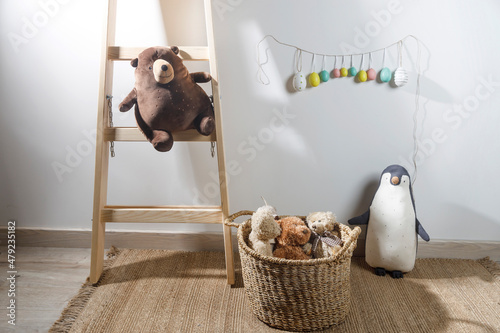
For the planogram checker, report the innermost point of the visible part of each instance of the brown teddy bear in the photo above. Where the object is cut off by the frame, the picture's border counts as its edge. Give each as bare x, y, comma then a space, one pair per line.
167, 98
294, 234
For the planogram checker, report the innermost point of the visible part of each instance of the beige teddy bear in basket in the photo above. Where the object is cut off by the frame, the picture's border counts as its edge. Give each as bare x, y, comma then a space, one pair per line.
264, 229
326, 240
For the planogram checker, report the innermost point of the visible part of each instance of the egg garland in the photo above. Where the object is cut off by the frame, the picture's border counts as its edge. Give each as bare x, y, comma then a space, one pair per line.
301, 80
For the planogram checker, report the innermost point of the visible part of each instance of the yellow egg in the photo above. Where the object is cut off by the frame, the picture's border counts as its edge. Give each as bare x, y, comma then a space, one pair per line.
314, 79
343, 72
362, 76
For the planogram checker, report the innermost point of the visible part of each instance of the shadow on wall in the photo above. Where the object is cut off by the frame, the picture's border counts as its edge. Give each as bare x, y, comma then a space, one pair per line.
364, 202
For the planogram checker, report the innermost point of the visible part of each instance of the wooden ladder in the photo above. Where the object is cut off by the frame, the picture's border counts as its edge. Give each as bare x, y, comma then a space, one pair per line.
104, 213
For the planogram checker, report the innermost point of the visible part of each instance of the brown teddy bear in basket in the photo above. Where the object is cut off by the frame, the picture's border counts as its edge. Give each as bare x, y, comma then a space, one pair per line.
294, 234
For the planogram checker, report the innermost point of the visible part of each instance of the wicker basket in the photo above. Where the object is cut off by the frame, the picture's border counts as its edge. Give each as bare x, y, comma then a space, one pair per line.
296, 295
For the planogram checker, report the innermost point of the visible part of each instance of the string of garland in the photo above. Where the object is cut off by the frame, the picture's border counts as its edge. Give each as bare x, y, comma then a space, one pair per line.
399, 76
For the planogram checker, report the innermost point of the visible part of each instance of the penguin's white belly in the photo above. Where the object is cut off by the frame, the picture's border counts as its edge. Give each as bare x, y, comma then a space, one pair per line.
391, 238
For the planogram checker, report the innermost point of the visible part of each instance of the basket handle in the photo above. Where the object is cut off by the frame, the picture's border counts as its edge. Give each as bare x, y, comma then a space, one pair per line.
230, 219
354, 236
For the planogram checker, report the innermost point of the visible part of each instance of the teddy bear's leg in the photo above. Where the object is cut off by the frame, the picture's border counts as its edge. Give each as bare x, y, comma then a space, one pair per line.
162, 140
205, 124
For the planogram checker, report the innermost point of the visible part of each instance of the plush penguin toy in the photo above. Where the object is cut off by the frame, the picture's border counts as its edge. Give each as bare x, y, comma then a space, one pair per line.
391, 237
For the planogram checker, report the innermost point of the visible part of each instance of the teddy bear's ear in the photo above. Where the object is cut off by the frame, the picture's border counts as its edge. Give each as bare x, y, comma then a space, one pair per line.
175, 49
134, 62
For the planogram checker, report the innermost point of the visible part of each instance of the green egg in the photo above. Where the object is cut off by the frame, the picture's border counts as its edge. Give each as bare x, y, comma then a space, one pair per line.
314, 79
385, 74
324, 75
353, 71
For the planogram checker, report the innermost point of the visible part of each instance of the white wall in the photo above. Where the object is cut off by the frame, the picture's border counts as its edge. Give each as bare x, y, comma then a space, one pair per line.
328, 153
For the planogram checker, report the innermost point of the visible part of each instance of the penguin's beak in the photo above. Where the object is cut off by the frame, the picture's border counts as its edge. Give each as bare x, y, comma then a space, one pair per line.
395, 180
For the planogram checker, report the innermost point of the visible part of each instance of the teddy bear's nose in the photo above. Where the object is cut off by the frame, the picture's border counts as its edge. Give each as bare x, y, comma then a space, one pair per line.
164, 68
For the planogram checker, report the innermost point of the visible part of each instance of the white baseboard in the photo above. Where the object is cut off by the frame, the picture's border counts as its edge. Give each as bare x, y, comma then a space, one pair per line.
458, 249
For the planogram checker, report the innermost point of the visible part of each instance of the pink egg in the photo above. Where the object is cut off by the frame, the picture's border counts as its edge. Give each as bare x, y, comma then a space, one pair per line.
371, 74
336, 72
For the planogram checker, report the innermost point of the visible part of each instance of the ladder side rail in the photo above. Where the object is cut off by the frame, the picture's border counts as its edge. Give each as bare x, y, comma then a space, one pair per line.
102, 146
221, 159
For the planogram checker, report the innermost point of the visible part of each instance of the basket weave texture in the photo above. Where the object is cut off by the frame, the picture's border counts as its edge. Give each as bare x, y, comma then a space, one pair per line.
296, 295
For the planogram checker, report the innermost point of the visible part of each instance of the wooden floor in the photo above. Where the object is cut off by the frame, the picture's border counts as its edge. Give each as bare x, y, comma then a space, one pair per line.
47, 278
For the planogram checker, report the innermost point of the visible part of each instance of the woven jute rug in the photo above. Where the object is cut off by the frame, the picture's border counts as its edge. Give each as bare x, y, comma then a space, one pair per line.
169, 291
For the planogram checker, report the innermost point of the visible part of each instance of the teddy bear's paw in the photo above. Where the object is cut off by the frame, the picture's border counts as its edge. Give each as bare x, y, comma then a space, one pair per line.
207, 125
162, 141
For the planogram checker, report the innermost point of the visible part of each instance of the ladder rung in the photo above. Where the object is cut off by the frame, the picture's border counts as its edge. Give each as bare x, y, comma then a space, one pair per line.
189, 53
162, 214
134, 134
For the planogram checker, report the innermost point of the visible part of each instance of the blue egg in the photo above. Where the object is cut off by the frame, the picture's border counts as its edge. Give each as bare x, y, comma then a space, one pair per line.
324, 75
385, 74
353, 71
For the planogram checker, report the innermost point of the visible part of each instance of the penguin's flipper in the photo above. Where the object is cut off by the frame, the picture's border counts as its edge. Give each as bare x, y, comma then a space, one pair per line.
362, 219
421, 231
